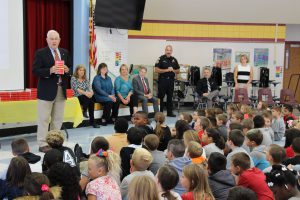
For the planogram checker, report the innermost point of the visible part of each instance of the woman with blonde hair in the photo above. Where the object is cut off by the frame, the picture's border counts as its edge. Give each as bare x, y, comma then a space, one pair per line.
124, 90
82, 90
194, 180
143, 188
162, 131
243, 73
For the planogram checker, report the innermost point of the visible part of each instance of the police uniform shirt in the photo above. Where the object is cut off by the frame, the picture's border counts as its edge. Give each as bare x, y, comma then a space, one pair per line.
164, 62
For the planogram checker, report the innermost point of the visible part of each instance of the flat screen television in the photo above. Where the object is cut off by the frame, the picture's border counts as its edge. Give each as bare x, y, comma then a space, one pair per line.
122, 14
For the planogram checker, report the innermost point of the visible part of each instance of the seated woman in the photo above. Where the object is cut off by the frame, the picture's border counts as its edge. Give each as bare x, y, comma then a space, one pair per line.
124, 90
104, 93
81, 87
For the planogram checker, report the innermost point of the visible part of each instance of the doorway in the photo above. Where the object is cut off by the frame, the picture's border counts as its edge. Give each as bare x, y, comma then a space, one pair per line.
292, 66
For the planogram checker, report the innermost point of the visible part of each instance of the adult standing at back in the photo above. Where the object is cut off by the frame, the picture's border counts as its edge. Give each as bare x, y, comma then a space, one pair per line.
51, 89
167, 67
243, 73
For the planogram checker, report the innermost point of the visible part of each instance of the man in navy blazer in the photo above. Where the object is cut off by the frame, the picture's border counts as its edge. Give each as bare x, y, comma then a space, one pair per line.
51, 90
142, 90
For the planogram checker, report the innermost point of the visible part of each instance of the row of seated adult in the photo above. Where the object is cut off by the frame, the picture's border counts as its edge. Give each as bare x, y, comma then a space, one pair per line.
125, 90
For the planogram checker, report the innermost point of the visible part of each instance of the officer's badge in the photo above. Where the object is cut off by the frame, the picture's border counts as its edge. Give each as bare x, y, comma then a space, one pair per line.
157, 61
173, 61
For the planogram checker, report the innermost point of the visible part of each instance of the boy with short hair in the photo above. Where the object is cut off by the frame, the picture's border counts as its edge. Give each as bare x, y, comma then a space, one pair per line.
151, 143
221, 123
268, 136
134, 139
139, 163
267, 115
237, 117
118, 140
288, 115
251, 178
275, 154
254, 140
235, 141
247, 125
20, 147
196, 115
175, 155
278, 125
195, 152
296, 159
141, 120
219, 179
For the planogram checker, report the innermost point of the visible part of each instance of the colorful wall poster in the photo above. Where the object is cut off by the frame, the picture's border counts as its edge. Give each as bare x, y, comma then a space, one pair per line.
222, 57
278, 71
118, 59
261, 57
238, 55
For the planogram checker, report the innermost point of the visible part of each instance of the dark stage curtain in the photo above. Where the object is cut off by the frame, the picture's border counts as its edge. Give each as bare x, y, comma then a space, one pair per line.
41, 16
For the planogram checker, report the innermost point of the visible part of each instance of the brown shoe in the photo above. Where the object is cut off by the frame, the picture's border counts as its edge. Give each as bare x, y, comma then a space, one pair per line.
44, 149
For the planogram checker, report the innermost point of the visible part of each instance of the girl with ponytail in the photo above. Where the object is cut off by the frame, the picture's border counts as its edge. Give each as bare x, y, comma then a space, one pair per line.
215, 142
104, 168
162, 131
36, 186
167, 178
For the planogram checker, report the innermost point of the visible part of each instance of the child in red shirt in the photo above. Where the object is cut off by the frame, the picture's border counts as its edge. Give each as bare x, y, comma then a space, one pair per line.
288, 115
251, 178
201, 125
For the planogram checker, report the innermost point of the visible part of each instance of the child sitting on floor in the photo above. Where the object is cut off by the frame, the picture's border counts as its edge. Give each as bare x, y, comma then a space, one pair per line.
219, 179
254, 140
99, 166
248, 177
288, 115
231, 108
134, 138
162, 131
221, 123
275, 154
141, 120
195, 152
139, 163
194, 180
167, 178
278, 125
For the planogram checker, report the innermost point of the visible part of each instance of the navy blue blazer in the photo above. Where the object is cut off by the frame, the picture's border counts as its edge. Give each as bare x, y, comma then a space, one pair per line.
47, 85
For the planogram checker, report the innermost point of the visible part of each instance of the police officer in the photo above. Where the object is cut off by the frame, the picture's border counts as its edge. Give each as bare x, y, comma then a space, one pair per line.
166, 67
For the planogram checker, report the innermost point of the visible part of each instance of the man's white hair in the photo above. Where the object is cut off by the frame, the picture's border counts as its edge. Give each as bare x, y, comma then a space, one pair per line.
51, 32
169, 46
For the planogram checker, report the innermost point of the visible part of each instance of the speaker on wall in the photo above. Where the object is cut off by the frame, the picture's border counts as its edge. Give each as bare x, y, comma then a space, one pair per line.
123, 14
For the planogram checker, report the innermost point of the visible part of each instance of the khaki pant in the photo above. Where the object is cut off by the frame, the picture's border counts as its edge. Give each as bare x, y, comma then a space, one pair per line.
52, 111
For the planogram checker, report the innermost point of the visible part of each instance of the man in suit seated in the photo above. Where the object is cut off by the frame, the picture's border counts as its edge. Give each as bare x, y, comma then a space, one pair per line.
142, 90
207, 88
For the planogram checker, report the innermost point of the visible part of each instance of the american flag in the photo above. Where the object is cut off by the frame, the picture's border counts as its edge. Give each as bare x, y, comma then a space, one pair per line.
93, 46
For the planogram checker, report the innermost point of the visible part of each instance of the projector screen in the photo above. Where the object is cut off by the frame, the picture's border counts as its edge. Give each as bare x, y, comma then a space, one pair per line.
12, 45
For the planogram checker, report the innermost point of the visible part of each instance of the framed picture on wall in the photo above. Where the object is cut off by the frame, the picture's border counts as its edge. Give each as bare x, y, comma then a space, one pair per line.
222, 57
261, 57
238, 55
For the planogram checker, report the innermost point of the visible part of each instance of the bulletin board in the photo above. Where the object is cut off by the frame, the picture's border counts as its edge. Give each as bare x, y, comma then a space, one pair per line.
112, 47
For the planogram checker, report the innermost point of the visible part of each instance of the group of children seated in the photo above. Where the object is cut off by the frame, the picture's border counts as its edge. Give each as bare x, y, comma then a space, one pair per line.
209, 154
